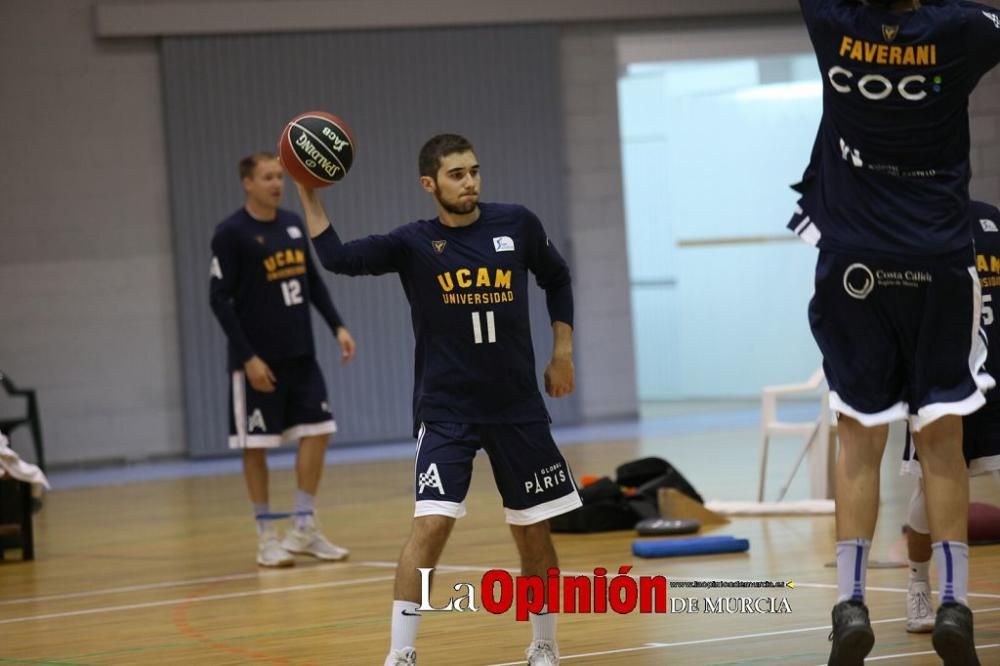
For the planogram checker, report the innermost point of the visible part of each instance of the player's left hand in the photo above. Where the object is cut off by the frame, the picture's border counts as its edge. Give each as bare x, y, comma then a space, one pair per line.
346, 343
560, 376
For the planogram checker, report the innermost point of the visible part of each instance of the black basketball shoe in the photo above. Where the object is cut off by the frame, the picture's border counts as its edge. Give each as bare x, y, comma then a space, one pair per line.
952, 637
852, 634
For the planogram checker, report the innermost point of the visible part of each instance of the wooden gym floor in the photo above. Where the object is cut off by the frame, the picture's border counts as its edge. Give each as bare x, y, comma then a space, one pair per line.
162, 572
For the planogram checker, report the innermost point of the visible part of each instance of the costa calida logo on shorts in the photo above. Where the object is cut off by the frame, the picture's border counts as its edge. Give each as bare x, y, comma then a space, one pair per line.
858, 281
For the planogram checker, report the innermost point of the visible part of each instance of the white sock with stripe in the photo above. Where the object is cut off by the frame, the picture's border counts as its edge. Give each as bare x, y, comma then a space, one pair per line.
305, 507
951, 559
260, 513
852, 566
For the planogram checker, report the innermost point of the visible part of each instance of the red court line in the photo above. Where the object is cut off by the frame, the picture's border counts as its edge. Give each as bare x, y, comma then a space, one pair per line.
185, 628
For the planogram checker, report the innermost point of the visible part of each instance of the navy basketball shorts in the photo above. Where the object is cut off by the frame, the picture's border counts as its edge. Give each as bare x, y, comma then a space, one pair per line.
531, 474
900, 337
980, 443
297, 408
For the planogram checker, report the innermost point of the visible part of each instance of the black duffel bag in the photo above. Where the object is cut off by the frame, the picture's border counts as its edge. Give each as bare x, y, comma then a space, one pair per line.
605, 509
651, 474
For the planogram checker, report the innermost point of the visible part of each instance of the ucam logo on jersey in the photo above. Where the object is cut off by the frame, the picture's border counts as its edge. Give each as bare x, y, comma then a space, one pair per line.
988, 225
503, 244
294, 232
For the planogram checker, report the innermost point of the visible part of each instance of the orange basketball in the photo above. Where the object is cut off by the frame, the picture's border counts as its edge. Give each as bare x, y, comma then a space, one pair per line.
316, 148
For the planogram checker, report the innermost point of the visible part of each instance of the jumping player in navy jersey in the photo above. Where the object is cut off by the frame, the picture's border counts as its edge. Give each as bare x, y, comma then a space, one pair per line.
896, 305
263, 280
465, 275
980, 430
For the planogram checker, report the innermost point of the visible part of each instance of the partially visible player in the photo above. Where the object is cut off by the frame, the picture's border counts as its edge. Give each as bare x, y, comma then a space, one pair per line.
896, 305
981, 429
465, 275
263, 280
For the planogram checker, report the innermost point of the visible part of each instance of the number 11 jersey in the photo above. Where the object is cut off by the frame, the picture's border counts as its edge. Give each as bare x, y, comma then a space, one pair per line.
468, 294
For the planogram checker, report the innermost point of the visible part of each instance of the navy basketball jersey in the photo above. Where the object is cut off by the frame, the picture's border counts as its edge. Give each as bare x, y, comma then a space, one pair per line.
890, 166
263, 281
468, 293
986, 231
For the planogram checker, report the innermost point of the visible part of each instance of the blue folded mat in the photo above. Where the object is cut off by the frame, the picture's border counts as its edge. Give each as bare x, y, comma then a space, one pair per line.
692, 546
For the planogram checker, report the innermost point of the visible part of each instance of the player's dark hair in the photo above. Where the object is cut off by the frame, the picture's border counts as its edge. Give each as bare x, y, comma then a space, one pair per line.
250, 162
438, 147
882, 4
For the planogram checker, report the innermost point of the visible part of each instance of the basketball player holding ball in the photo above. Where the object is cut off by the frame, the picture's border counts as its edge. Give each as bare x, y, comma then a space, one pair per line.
263, 280
465, 274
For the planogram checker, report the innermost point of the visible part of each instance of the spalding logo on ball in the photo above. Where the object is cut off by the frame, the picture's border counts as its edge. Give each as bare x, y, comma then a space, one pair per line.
316, 148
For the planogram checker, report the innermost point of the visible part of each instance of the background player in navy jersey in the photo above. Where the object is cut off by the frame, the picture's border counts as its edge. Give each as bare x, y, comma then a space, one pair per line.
980, 430
263, 280
465, 274
896, 305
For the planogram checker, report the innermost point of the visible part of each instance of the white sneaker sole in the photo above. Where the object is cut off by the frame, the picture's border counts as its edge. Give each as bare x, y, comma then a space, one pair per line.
920, 626
277, 564
318, 556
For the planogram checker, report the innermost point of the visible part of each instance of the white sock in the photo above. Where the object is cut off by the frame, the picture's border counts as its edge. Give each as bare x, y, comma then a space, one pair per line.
263, 524
543, 625
405, 623
852, 566
951, 559
920, 572
305, 507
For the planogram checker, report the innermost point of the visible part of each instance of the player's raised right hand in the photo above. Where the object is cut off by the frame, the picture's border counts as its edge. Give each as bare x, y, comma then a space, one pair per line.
306, 193
316, 219
259, 375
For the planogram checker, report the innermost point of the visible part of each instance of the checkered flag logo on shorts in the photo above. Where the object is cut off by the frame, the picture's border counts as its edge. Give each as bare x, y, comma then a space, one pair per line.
256, 421
430, 478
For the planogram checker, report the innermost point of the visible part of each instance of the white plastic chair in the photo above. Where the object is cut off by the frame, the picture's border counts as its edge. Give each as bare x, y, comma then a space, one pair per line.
820, 435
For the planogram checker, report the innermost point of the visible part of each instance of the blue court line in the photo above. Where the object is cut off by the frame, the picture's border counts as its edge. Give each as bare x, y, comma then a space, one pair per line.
283, 459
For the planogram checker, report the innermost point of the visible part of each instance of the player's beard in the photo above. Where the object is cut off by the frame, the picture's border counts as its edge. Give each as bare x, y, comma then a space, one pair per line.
459, 206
